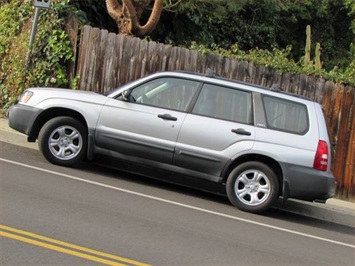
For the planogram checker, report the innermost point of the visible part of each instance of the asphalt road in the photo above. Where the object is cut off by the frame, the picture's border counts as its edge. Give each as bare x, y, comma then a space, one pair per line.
93, 215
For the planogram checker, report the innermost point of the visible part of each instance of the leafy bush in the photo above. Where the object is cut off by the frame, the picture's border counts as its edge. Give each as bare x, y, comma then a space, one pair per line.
49, 55
13, 17
279, 59
265, 24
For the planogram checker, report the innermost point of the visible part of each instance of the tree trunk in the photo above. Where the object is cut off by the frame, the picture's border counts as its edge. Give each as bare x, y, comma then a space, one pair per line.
127, 16
151, 24
117, 13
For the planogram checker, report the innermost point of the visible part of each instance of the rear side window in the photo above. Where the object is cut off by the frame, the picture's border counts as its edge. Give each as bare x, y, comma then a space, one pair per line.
286, 115
224, 103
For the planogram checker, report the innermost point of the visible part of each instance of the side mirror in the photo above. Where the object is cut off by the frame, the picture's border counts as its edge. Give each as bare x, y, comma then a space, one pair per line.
126, 95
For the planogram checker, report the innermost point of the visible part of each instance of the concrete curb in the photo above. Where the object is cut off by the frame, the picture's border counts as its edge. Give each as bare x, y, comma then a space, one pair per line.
14, 137
335, 210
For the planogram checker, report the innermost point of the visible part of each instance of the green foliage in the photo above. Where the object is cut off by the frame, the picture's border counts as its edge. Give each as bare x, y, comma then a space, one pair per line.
94, 13
347, 76
277, 59
263, 24
280, 60
350, 4
13, 18
51, 51
49, 56
350, 70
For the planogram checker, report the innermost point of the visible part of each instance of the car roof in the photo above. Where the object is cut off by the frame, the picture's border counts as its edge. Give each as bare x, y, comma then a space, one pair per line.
210, 76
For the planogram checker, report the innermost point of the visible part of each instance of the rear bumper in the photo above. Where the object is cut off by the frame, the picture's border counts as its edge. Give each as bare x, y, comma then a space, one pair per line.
306, 183
21, 117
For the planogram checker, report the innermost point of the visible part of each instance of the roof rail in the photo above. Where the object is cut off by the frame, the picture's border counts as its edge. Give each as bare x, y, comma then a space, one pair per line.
210, 73
276, 88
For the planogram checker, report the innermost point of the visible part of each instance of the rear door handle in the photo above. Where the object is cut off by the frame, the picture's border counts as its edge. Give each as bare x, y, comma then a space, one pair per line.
167, 117
241, 131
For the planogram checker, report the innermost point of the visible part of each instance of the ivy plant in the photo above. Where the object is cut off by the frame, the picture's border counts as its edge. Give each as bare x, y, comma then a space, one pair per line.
49, 55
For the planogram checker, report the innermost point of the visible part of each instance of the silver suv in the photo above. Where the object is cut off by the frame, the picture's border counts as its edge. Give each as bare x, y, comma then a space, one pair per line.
260, 143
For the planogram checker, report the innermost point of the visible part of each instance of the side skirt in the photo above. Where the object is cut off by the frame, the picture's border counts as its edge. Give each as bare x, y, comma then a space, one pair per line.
157, 165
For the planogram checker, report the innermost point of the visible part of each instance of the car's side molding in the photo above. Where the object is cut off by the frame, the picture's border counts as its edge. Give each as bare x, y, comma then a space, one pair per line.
154, 164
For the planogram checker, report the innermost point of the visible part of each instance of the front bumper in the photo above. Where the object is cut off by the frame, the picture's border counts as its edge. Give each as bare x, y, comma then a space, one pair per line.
21, 117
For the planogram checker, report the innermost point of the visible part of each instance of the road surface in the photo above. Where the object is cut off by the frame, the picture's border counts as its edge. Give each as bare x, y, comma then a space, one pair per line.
97, 215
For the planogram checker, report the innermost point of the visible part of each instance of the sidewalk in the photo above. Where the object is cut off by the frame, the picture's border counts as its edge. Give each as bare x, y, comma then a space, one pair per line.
14, 137
335, 210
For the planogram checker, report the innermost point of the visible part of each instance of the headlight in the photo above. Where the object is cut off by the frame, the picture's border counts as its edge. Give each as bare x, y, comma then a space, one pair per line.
25, 97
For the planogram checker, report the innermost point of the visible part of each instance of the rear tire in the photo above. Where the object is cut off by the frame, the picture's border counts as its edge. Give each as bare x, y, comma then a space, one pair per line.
252, 187
63, 141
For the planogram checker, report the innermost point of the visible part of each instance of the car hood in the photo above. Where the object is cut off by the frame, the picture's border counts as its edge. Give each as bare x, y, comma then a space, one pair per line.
43, 94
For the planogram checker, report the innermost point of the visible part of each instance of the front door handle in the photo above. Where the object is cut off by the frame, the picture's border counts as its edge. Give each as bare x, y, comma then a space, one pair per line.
167, 117
241, 131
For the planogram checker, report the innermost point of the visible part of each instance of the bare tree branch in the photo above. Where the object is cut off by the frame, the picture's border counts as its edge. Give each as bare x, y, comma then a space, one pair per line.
170, 7
152, 21
127, 16
113, 8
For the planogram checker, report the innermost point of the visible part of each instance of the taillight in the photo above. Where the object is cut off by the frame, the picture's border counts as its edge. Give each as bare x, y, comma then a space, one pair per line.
321, 158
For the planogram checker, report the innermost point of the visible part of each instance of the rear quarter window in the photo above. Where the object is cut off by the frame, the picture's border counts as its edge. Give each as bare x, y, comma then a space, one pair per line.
286, 115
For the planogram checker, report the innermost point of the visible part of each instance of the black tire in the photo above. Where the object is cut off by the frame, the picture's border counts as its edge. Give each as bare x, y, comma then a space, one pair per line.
63, 141
252, 187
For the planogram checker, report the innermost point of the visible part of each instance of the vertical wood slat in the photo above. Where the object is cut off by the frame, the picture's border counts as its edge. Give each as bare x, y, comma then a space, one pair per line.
345, 139
107, 60
350, 161
84, 42
72, 28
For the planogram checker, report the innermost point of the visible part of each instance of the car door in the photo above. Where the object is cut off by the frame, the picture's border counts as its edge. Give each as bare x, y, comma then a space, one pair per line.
218, 129
147, 124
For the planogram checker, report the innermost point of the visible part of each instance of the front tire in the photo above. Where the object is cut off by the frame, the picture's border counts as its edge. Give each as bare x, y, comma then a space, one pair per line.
252, 187
63, 141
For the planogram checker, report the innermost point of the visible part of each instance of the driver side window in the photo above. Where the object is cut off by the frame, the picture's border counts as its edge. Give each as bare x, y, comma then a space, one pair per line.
169, 93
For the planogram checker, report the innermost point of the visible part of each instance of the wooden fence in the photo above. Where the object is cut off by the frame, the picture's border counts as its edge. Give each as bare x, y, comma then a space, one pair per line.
107, 60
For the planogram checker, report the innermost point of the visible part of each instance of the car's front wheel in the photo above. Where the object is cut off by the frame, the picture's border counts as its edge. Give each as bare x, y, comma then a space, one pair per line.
63, 141
252, 187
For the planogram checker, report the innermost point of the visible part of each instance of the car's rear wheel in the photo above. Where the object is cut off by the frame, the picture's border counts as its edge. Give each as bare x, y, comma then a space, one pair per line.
63, 141
252, 187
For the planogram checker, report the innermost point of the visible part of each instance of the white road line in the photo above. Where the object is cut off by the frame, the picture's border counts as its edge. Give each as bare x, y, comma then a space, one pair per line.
180, 204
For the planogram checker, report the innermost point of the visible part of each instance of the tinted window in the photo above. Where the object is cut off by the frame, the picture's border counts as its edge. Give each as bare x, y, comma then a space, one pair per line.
285, 115
224, 103
170, 93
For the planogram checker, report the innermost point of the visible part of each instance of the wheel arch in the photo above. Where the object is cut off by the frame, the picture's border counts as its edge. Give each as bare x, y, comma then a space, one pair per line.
272, 163
50, 113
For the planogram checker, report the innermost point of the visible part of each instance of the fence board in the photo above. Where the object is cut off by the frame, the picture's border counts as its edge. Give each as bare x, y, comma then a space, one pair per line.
343, 142
319, 90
